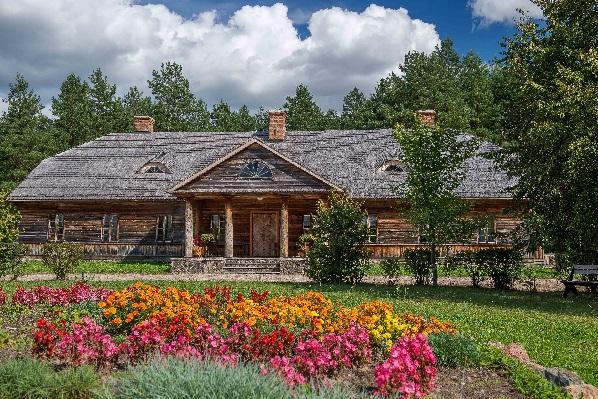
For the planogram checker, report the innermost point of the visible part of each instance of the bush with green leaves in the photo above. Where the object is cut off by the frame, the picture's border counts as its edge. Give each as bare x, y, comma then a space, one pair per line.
29, 378
338, 252
468, 261
12, 256
392, 269
504, 265
455, 350
9, 219
62, 258
419, 263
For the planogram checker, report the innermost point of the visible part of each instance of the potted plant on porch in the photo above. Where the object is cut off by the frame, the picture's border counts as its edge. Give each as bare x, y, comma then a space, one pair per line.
206, 240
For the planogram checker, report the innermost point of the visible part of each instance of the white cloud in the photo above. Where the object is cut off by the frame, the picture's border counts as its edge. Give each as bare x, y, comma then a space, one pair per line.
502, 11
254, 58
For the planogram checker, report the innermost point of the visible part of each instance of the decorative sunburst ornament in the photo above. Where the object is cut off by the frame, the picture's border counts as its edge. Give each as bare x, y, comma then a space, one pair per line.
256, 170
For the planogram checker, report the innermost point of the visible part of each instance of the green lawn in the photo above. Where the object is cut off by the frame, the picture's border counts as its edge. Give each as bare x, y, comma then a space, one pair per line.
555, 331
99, 266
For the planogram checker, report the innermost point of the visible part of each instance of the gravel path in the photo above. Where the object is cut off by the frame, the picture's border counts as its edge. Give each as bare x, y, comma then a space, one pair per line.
542, 285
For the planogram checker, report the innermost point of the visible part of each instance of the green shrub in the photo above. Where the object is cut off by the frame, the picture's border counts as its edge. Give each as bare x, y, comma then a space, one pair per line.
468, 261
29, 378
392, 269
62, 258
504, 265
455, 350
419, 264
338, 252
12, 259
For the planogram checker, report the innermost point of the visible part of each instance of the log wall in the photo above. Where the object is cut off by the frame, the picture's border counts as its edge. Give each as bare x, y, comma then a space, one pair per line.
83, 224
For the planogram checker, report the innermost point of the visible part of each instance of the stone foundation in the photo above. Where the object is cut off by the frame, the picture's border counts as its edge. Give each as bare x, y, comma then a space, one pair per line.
238, 265
197, 265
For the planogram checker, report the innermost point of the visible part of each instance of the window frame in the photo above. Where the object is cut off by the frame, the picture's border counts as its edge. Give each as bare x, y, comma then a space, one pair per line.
488, 233
110, 228
56, 230
368, 221
307, 226
164, 228
219, 231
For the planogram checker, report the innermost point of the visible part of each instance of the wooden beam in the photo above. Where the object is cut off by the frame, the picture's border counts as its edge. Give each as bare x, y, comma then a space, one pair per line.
284, 229
188, 229
228, 232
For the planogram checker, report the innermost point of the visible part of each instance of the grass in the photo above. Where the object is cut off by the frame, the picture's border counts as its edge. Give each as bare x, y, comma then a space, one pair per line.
105, 266
556, 332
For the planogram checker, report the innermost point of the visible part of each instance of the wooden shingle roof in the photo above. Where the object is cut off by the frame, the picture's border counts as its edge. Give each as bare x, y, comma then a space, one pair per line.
108, 168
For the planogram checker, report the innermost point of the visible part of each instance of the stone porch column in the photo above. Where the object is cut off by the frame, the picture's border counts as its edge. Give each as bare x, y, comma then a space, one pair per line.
188, 228
284, 229
228, 232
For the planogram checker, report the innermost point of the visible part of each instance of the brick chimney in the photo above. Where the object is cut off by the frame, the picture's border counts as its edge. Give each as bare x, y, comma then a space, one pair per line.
277, 124
143, 124
427, 117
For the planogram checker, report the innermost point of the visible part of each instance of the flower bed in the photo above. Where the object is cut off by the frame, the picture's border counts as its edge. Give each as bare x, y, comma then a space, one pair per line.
303, 338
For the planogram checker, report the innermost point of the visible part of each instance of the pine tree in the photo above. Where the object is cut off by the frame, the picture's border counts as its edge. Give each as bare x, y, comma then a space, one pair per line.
73, 111
245, 122
222, 118
358, 111
302, 111
107, 110
176, 108
26, 136
135, 104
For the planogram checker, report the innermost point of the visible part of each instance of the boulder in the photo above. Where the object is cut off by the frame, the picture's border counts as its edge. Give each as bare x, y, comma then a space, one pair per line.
561, 377
585, 391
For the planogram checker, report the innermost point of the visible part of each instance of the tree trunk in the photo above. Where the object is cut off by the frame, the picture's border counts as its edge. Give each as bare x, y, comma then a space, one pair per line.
434, 266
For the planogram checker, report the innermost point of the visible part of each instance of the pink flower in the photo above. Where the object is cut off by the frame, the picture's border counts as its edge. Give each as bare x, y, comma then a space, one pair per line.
410, 369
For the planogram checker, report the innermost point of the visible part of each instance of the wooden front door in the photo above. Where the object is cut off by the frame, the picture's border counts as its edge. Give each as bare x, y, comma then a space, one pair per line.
264, 234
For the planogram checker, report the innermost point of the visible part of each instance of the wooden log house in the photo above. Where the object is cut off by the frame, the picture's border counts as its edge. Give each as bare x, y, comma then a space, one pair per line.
150, 194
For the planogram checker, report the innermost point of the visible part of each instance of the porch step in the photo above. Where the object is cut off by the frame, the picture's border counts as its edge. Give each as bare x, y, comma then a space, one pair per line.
252, 265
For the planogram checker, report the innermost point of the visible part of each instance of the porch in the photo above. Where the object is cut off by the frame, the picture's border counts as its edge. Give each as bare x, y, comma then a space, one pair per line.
247, 226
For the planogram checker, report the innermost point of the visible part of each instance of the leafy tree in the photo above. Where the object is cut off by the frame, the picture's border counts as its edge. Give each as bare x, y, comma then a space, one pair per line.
26, 137
107, 110
302, 111
339, 234
358, 111
550, 70
135, 104
73, 111
9, 219
176, 108
261, 120
434, 158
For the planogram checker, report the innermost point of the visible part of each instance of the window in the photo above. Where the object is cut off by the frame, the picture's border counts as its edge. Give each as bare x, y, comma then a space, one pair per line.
392, 166
153, 169
164, 228
256, 170
56, 227
306, 223
109, 228
487, 233
372, 223
218, 227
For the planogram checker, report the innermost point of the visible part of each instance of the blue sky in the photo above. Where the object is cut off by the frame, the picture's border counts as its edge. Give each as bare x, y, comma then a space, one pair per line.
252, 53
453, 18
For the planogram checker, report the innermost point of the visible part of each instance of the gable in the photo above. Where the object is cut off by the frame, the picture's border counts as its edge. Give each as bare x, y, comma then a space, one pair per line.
274, 174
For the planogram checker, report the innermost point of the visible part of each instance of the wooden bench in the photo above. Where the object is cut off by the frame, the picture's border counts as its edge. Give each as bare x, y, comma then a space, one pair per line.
591, 271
